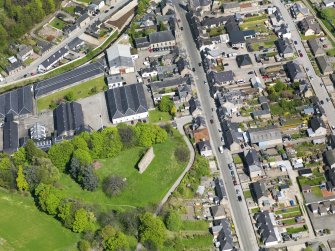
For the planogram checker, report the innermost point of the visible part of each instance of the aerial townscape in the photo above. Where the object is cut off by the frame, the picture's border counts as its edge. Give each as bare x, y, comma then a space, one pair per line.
167, 125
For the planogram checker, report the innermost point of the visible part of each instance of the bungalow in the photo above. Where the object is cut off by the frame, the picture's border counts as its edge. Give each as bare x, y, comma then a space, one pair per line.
294, 71
254, 166
276, 18
284, 48
25, 51
309, 26
316, 47
324, 65
298, 11
205, 148
220, 79
317, 130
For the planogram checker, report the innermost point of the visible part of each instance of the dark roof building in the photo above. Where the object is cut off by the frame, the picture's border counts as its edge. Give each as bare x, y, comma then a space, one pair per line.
266, 228
68, 117
284, 47
243, 60
53, 59
294, 71
126, 103
10, 135
258, 190
142, 42
161, 37
220, 191
18, 102
68, 78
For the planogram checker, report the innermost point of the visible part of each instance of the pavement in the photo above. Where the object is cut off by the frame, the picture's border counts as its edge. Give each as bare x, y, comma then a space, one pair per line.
240, 214
33, 66
180, 125
315, 80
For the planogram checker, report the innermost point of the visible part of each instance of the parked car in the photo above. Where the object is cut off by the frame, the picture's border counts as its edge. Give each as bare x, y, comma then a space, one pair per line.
301, 55
328, 100
205, 82
232, 173
321, 102
199, 64
250, 72
295, 42
324, 46
239, 198
221, 149
193, 69
181, 28
211, 120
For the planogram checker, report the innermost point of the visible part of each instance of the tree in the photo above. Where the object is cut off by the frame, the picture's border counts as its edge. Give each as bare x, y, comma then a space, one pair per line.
5, 163
19, 156
173, 221
65, 213
7, 178
113, 185
83, 156
84, 245
33, 151
21, 182
113, 239
130, 221
82, 220
41, 171
84, 175
48, 198
127, 135
79, 142
173, 111
152, 231
60, 154
149, 134
165, 104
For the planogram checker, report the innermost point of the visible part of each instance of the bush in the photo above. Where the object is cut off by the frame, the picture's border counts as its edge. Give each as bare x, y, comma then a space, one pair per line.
84, 175
84, 245
173, 221
69, 96
113, 185
182, 154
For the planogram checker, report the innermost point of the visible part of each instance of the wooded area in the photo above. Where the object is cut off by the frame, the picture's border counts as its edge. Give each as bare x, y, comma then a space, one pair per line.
19, 16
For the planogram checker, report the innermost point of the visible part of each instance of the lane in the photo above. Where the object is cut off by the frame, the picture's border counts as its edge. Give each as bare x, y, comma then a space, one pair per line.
320, 90
243, 226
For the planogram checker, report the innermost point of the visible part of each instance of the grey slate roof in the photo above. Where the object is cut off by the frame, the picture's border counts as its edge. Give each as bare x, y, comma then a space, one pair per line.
265, 227
330, 157
161, 36
221, 77
126, 101
204, 145
220, 191
258, 189
323, 64
68, 78
294, 71
284, 46
171, 82
13, 66
243, 60
141, 42
74, 43
10, 135
316, 123
68, 117
258, 135
251, 158
54, 57
309, 22
315, 47
17, 102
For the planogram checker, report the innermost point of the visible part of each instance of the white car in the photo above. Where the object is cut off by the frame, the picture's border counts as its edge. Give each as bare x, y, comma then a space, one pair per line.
221, 149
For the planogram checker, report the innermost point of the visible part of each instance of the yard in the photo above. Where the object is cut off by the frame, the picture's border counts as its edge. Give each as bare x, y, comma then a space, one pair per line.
288, 210
69, 9
145, 189
24, 227
156, 116
79, 91
312, 181
288, 222
317, 191
294, 230
194, 242
263, 45
308, 149
247, 194
57, 23
199, 225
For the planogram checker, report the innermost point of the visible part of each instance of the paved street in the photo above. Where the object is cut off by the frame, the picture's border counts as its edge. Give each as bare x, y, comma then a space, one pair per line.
319, 90
241, 218
33, 66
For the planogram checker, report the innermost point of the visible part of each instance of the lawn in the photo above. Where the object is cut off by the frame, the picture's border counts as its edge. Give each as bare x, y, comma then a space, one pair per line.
264, 45
255, 210
288, 210
24, 227
288, 222
255, 18
247, 194
317, 191
156, 116
145, 189
57, 23
312, 181
199, 225
197, 242
79, 91
69, 9
294, 230
237, 159
331, 52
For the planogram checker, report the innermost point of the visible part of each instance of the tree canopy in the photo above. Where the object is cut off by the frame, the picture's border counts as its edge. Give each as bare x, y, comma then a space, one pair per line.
152, 231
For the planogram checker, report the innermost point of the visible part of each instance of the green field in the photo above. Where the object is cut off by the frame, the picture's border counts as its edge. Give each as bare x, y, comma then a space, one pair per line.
80, 91
144, 189
57, 23
199, 225
156, 116
24, 227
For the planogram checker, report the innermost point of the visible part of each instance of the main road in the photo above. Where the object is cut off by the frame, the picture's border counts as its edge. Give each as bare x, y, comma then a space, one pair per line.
243, 225
316, 82
33, 66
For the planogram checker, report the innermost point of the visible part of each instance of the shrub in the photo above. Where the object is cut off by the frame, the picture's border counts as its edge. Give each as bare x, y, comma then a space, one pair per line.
113, 185
182, 154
